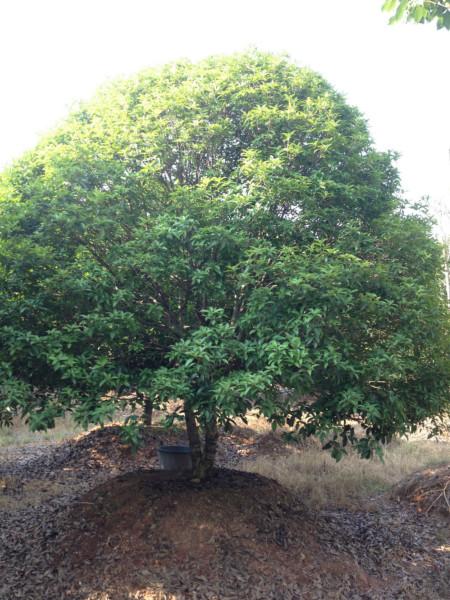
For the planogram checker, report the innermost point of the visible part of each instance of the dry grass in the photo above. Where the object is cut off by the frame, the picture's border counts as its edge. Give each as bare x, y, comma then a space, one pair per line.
20, 435
321, 482
308, 470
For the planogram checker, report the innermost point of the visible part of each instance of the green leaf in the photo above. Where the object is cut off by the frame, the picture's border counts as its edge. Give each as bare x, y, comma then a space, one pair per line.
389, 5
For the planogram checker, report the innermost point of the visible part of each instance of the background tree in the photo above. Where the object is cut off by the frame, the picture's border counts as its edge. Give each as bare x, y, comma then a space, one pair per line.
224, 233
441, 212
417, 11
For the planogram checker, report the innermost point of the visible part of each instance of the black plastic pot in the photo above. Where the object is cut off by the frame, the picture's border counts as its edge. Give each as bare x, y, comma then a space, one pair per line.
175, 458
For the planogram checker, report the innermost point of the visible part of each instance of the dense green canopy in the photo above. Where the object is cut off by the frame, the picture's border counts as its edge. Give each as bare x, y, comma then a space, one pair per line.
224, 233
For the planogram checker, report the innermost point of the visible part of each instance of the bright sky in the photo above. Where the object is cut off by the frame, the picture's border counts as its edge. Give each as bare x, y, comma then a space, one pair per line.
54, 52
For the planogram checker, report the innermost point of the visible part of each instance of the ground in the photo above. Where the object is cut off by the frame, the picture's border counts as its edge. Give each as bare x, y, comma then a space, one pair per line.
85, 519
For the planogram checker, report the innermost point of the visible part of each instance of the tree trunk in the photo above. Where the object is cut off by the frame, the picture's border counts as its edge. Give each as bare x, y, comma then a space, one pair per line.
148, 412
194, 441
147, 404
202, 458
210, 450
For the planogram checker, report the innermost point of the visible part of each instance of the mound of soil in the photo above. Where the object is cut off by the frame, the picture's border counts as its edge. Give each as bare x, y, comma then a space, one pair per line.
32, 474
102, 450
236, 535
78, 522
428, 490
98, 450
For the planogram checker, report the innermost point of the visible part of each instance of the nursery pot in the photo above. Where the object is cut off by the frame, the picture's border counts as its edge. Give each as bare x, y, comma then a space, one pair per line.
175, 458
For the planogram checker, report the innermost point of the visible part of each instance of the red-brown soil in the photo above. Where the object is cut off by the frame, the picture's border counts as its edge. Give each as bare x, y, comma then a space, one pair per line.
235, 527
79, 522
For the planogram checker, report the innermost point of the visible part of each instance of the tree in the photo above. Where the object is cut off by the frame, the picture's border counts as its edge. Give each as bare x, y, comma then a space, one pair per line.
442, 215
437, 11
223, 233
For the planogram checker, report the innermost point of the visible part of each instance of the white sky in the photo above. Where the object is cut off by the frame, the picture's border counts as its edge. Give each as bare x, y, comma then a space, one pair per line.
54, 52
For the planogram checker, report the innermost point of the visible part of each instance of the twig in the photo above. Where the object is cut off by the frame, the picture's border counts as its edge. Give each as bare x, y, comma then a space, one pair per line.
443, 494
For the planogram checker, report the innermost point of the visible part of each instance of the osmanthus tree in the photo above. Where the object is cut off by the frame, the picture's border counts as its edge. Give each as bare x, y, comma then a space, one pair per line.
223, 233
